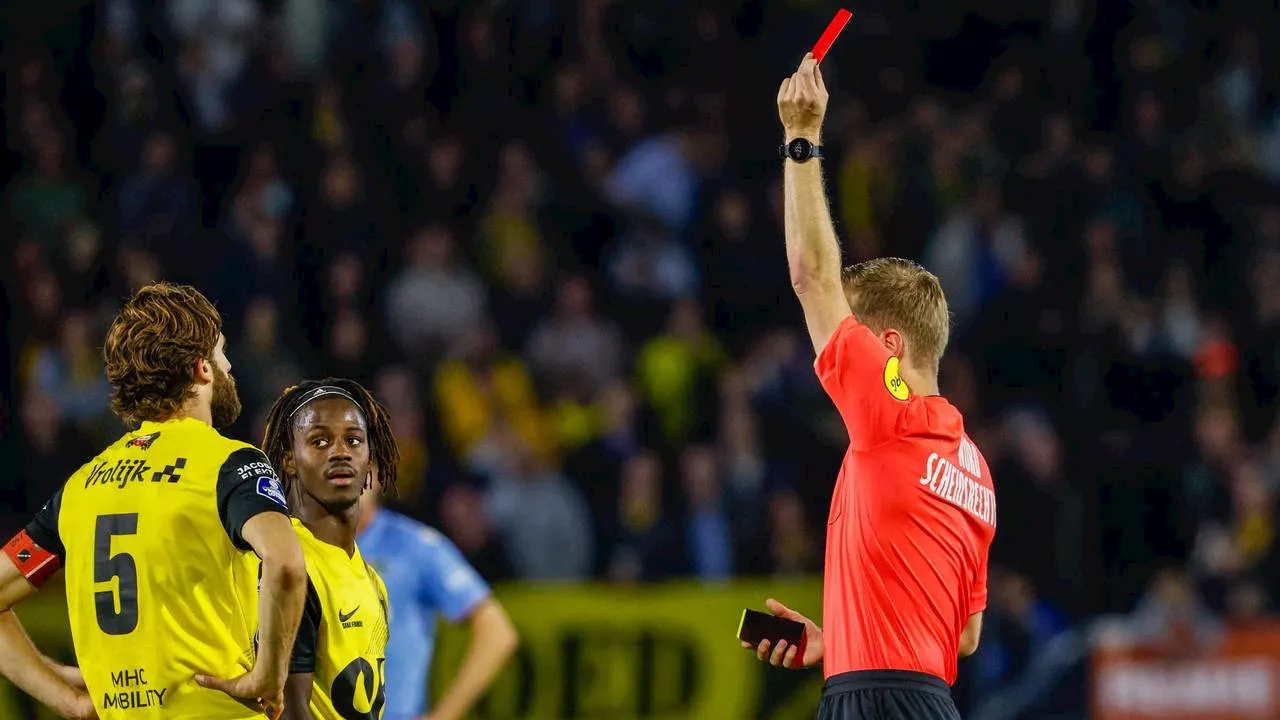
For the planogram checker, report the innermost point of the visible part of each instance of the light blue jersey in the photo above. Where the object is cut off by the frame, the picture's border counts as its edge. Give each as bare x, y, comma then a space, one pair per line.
425, 576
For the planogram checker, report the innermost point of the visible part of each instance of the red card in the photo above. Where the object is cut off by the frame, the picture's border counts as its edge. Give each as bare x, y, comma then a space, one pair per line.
831, 33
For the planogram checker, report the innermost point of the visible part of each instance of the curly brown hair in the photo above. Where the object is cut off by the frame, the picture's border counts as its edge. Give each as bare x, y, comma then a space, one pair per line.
153, 346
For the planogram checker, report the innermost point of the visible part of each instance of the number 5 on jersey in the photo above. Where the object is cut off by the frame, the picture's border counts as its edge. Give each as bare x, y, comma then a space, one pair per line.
115, 617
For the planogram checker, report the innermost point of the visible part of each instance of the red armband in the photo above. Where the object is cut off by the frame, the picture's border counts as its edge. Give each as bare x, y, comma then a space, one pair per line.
35, 563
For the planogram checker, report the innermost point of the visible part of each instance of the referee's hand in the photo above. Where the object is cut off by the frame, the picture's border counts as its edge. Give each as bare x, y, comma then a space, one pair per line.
802, 101
784, 655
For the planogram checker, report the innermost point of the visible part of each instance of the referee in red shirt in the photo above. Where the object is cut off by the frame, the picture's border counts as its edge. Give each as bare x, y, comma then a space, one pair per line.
913, 511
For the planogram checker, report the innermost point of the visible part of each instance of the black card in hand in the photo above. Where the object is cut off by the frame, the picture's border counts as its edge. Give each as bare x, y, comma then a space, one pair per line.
756, 626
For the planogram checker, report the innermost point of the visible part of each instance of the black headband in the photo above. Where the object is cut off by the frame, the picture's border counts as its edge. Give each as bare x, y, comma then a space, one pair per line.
316, 394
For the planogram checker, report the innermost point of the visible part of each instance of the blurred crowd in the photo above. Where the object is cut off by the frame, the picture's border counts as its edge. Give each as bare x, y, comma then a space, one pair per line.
548, 236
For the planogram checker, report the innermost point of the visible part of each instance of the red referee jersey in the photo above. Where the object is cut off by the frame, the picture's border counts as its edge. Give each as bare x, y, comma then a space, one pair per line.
912, 518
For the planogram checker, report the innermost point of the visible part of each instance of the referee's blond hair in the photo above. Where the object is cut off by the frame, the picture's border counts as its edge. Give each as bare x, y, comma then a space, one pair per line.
892, 293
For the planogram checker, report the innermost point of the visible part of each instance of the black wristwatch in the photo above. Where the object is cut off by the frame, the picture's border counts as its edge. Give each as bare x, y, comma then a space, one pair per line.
800, 150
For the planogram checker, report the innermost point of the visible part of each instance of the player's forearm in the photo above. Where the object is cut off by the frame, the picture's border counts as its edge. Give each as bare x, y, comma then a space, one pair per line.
813, 252
28, 670
280, 600
493, 640
70, 675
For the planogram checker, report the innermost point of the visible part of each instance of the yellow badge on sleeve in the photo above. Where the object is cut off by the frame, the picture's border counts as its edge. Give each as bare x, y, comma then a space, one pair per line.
893, 381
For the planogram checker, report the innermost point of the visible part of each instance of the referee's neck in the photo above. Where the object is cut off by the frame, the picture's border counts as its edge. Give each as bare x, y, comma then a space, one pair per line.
921, 383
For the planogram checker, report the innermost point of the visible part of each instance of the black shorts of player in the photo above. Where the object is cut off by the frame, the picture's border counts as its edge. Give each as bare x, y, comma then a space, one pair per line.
886, 695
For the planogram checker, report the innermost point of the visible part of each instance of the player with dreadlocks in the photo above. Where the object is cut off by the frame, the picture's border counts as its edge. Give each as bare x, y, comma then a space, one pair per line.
330, 441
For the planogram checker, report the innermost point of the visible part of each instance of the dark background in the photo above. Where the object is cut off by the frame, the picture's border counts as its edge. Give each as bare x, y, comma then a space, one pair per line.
548, 235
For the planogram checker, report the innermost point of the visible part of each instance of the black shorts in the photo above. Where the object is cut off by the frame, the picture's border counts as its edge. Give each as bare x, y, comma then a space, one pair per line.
886, 695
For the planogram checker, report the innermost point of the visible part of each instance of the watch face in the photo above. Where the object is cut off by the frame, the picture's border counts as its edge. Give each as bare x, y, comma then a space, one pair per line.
799, 149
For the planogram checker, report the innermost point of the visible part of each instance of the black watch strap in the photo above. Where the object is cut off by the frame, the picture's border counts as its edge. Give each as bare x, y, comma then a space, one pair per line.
800, 150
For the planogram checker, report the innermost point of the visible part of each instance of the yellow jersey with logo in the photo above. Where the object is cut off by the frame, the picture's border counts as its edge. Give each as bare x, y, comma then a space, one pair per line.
158, 590
342, 640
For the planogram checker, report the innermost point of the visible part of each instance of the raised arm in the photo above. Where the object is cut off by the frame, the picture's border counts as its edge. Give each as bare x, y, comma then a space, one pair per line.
813, 252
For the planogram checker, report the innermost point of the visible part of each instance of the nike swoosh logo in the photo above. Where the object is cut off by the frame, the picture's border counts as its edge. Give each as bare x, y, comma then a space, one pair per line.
343, 617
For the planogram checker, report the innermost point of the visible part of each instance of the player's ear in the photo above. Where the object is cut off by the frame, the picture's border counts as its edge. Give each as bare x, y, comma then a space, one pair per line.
289, 467
204, 371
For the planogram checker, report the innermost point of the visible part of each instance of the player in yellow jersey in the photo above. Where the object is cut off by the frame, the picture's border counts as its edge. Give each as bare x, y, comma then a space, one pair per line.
327, 439
152, 534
